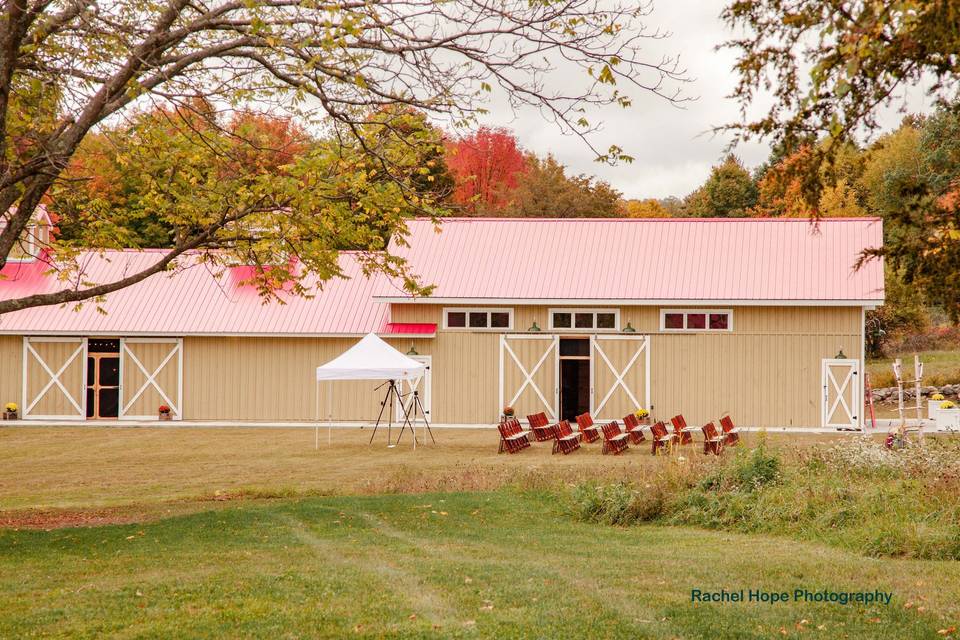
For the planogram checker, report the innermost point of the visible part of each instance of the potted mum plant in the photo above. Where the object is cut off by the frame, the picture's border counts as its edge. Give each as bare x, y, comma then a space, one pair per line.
10, 411
933, 405
642, 415
164, 411
508, 412
948, 416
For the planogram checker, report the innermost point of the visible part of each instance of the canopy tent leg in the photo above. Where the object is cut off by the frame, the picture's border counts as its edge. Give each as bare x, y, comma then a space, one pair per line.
316, 430
329, 411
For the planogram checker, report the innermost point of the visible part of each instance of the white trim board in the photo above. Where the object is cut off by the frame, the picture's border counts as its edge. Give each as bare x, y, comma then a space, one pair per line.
634, 302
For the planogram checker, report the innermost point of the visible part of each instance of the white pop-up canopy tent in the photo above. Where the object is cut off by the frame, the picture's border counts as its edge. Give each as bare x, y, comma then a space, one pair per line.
369, 359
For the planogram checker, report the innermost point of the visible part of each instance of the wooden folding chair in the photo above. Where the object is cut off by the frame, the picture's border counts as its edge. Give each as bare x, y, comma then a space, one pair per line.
632, 424
731, 433
565, 440
512, 438
712, 439
614, 440
540, 426
684, 436
589, 430
662, 439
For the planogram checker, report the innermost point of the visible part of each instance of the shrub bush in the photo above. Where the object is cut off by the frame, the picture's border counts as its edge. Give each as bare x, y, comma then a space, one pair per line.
856, 494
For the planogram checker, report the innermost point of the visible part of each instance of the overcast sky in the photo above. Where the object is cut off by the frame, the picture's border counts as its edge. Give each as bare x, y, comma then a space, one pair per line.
672, 147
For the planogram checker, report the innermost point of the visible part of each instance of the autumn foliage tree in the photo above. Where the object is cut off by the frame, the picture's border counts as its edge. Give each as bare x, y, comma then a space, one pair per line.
486, 166
70, 68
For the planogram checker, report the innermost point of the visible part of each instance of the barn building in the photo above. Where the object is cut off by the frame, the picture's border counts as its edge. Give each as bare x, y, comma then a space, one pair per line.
761, 318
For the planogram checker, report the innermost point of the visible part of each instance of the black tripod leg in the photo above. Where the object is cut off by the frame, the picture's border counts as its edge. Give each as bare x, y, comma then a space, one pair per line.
382, 405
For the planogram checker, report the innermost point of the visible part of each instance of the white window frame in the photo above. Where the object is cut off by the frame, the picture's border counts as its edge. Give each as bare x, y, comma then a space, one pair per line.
707, 329
487, 310
29, 243
572, 310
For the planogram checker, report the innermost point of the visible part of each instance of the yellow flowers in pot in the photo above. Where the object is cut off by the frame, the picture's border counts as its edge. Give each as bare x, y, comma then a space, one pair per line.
10, 407
937, 396
641, 413
946, 404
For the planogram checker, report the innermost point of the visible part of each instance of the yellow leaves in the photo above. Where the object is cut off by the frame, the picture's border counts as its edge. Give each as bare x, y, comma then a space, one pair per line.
606, 75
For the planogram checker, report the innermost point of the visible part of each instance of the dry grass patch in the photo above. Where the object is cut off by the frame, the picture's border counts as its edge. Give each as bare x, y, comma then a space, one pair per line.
95, 468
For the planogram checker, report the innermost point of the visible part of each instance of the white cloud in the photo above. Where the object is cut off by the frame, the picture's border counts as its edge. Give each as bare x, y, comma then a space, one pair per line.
673, 147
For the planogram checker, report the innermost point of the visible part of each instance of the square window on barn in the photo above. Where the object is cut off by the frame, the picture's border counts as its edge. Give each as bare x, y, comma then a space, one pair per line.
562, 321
719, 321
456, 319
499, 319
583, 320
606, 321
696, 321
478, 320
673, 321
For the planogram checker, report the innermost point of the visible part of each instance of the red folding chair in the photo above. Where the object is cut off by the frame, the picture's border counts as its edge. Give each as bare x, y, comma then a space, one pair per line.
512, 438
679, 428
614, 440
731, 433
632, 424
712, 439
565, 439
542, 430
589, 430
663, 440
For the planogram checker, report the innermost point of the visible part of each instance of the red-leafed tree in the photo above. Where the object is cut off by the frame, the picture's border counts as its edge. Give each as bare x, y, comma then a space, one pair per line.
487, 166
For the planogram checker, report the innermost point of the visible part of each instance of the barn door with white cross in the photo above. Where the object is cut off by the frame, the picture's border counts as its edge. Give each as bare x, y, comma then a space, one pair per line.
422, 386
620, 375
528, 374
841, 398
151, 375
53, 378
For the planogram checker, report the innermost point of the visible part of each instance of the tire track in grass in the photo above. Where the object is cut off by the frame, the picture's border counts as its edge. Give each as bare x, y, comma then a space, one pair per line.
423, 600
615, 602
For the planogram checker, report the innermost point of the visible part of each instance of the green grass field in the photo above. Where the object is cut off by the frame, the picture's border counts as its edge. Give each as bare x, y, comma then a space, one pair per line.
939, 368
253, 533
487, 565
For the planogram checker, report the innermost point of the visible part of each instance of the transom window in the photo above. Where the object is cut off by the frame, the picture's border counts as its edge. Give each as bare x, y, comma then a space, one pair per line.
478, 319
587, 319
696, 320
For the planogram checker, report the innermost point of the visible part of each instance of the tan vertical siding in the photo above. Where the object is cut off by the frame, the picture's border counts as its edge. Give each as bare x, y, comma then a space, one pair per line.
766, 372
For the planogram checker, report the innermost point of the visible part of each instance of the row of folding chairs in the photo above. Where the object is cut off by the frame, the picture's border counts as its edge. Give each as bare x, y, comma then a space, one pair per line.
514, 438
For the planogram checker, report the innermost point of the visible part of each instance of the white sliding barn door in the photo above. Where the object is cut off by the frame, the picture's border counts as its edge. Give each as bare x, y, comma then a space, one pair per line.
151, 374
529, 372
620, 375
53, 378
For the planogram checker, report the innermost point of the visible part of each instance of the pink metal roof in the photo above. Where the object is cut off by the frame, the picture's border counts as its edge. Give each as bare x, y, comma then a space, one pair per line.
409, 328
658, 260
191, 300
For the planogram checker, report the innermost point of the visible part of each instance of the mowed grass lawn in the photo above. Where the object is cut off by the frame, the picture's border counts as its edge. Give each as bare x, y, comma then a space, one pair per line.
504, 564
254, 533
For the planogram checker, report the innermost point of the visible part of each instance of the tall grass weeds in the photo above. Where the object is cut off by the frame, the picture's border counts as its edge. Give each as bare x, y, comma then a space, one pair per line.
855, 494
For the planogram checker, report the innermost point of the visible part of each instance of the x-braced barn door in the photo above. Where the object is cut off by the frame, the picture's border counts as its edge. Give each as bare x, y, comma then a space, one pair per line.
151, 373
53, 378
529, 366
841, 398
620, 376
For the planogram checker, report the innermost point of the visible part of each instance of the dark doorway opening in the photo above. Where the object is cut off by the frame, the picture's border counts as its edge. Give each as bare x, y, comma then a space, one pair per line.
103, 378
574, 377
